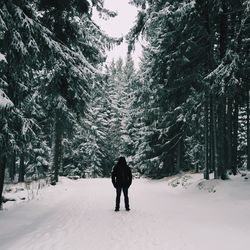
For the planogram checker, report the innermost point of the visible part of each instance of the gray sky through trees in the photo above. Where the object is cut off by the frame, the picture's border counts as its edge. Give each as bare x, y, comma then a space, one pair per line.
119, 26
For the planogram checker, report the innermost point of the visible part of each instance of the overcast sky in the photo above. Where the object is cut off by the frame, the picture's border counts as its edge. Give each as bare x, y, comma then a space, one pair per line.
119, 26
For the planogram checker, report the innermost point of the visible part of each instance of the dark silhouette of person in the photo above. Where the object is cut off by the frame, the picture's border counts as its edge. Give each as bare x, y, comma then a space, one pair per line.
121, 179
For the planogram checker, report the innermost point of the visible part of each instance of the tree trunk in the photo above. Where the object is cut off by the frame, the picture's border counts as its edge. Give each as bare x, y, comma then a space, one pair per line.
216, 155
220, 140
179, 164
224, 142
206, 174
57, 147
172, 169
248, 131
223, 30
11, 163
222, 105
235, 137
22, 166
209, 150
2, 175
229, 134
212, 148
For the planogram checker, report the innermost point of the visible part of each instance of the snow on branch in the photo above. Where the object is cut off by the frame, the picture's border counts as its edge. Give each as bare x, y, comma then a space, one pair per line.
224, 74
5, 102
27, 126
2, 58
55, 45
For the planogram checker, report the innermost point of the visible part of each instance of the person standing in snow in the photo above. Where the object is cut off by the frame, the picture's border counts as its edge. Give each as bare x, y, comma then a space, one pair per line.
121, 179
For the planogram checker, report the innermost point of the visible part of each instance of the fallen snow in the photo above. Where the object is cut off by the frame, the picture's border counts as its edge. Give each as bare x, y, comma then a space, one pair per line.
179, 213
20, 192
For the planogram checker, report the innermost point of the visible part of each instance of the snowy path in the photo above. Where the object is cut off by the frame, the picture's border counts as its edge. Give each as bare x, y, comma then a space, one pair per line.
76, 215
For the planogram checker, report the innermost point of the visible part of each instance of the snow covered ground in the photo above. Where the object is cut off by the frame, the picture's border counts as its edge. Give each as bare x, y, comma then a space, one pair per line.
179, 213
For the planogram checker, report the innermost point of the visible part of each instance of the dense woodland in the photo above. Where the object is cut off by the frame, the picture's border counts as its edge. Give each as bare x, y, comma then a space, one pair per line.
63, 111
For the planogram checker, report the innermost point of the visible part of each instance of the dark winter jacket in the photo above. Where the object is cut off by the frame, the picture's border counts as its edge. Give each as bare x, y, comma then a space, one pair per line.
121, 176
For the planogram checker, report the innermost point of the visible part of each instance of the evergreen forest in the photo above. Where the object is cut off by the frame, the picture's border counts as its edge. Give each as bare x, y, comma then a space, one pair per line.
65, 112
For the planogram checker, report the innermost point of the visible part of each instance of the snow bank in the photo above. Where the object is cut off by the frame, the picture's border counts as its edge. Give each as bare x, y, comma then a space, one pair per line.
18, 193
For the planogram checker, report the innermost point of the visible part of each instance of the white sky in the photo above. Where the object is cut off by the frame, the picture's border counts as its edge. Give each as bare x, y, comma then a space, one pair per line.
119, 26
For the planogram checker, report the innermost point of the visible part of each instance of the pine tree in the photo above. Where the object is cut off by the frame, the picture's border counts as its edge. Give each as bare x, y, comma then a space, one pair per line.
51, 51
71, 68
128, 124
6, 106
192, 64
19, 47
169, 80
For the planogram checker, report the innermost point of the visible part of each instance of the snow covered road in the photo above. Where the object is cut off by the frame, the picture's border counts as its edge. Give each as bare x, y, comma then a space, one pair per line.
76, 215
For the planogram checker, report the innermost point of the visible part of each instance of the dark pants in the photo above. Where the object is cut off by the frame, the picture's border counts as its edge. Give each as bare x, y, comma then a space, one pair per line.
118, 196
